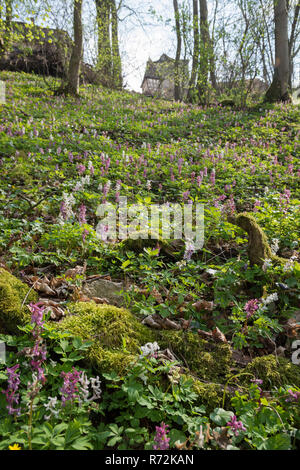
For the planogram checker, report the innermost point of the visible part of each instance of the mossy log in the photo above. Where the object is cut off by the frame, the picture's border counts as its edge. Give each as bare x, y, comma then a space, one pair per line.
258, 248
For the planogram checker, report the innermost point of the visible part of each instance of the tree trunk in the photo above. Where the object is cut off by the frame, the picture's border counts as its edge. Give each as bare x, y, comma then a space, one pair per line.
196, 47
279, 89
72, 86
204, 52
103, 9
292, 42
178, 51
117, 64
8, 18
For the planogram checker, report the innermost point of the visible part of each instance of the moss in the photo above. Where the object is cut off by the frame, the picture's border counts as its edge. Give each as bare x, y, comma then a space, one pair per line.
172, 248
274, 372
12, 295
116, 334
209, 395
208, 361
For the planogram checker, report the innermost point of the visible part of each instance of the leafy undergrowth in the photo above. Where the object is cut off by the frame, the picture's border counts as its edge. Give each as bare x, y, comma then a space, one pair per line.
60, 159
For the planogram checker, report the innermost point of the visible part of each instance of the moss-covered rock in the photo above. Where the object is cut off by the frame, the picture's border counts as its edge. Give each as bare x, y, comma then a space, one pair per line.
208, 361
210, 395
274, 372
258, 248
116, 334
13, 292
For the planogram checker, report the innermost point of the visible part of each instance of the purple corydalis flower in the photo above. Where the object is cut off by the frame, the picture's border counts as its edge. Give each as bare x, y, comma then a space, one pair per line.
38, 353
37, 312
294, 396
161, 440
251, 306
85, 234
69, 390
80, 168
12, 397
82, 214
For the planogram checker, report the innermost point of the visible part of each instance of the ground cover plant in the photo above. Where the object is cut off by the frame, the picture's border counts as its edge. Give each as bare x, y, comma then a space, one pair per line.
195, 349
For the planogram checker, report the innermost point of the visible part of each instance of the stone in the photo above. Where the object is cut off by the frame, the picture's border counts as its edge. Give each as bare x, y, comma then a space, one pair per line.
108, 290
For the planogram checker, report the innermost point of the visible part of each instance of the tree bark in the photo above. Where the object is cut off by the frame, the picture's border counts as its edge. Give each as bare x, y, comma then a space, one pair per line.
8, 19
103, 9
292, 42
279, 89
204, 52
178, 51
117, 64
72, 86
196, 48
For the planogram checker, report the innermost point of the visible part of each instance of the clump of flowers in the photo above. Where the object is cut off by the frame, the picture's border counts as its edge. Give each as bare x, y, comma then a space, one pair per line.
11, 393
149, 349
161, 440
69, 390
38, 353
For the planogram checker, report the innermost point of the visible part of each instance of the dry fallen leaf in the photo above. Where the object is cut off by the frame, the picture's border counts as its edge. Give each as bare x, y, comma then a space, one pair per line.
203, 305
73, 272
44, 288
218, 336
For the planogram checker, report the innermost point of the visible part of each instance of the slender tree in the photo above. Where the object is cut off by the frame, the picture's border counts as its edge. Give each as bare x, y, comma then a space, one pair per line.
104, 66
109, 59
279, 89
292, 41
178, 51
196, 47
204, 52
72, 85
116, 58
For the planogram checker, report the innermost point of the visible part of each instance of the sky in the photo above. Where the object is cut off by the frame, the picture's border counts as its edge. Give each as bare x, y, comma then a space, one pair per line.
139, 43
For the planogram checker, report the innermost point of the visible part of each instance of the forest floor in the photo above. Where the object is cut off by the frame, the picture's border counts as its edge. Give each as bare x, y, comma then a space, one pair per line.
220, 320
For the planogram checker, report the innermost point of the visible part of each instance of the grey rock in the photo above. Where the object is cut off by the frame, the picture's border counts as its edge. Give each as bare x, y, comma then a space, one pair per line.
108, 290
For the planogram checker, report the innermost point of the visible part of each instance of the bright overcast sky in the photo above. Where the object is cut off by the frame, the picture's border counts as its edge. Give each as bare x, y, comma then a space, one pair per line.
139, 42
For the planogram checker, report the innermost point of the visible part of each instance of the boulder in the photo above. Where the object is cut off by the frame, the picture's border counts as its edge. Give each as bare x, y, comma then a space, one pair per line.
14, 298
104, 289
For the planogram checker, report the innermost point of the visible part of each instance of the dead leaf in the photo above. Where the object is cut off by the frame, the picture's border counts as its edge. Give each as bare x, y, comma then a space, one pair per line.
222, 438
43, 287
157, 296
203, 305
73, 272
218, 336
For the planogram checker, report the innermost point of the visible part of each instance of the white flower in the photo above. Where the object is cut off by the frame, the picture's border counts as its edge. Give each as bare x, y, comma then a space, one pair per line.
149, 349
275, 246
290, 264
271, 298
96, 388
50, 406
267, 264
212, 272
148, 185
84, 388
